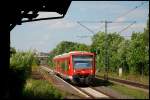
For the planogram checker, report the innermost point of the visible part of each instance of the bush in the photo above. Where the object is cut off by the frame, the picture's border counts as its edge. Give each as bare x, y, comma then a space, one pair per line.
19, 71
40, 89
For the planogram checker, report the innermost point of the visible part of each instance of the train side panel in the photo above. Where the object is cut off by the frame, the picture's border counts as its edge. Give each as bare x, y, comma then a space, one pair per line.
62, 67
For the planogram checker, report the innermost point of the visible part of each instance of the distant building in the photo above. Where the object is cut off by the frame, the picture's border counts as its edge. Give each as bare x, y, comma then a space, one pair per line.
43, 57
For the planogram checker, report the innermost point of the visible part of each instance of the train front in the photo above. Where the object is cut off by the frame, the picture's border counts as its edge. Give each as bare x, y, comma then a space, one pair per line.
83, 68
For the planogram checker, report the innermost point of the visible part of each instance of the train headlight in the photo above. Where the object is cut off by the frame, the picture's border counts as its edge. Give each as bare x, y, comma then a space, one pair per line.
91, 71
83, 72
74, 71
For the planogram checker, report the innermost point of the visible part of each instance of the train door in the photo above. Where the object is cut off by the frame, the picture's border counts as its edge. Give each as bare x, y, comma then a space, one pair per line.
65, 67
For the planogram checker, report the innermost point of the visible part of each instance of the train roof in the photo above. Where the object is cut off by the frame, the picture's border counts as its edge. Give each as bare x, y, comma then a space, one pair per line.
72, 52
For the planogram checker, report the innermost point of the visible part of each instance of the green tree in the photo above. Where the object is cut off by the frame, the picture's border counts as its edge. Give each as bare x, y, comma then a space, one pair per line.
146, 41
122, 55
146, 34
114, 40
137, 55
98, 45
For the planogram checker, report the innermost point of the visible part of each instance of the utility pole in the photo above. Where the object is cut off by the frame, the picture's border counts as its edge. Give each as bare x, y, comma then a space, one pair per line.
106, 52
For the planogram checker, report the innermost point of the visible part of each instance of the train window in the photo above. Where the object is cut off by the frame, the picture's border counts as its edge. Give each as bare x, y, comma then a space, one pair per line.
82, 61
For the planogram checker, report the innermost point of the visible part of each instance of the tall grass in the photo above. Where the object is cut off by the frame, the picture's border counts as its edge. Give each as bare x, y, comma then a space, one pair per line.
21, 60
19, 71
126, 76
40, 89
134, 93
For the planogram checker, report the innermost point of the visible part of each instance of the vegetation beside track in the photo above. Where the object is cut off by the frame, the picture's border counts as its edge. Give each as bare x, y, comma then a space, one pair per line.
136, 94
131, 77
19, 71
132, 93
40, 89
22, 64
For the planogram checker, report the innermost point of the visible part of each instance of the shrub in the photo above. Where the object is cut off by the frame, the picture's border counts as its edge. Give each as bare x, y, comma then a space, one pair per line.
19, 71
40, 89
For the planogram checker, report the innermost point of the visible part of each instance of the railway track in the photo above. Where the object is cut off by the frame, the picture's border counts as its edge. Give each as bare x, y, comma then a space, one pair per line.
86, 91
93, 93
131, 83
134, 84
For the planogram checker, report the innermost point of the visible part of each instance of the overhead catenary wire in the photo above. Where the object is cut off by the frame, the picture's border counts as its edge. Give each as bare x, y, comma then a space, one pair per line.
85, 27
127, 27
132, 22
122, 15
126, 13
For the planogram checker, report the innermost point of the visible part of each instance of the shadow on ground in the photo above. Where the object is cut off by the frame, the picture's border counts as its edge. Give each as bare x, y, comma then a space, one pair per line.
96, 82
101, 82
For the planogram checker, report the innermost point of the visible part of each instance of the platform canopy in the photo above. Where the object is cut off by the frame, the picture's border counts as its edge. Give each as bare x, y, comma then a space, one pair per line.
16, 10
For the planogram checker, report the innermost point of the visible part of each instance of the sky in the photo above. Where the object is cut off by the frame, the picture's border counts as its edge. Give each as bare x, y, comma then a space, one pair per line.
45, 35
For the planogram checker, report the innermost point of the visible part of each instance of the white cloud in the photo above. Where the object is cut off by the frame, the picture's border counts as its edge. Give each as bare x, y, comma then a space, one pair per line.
116, 26
62, 24
139, 27
121, 19
59, 24
48, 14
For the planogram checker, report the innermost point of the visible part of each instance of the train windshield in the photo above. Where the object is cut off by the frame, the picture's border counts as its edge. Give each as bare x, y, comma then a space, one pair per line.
82, 61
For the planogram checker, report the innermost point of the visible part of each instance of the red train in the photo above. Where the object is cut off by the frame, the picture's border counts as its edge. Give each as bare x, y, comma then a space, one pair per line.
77, 66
